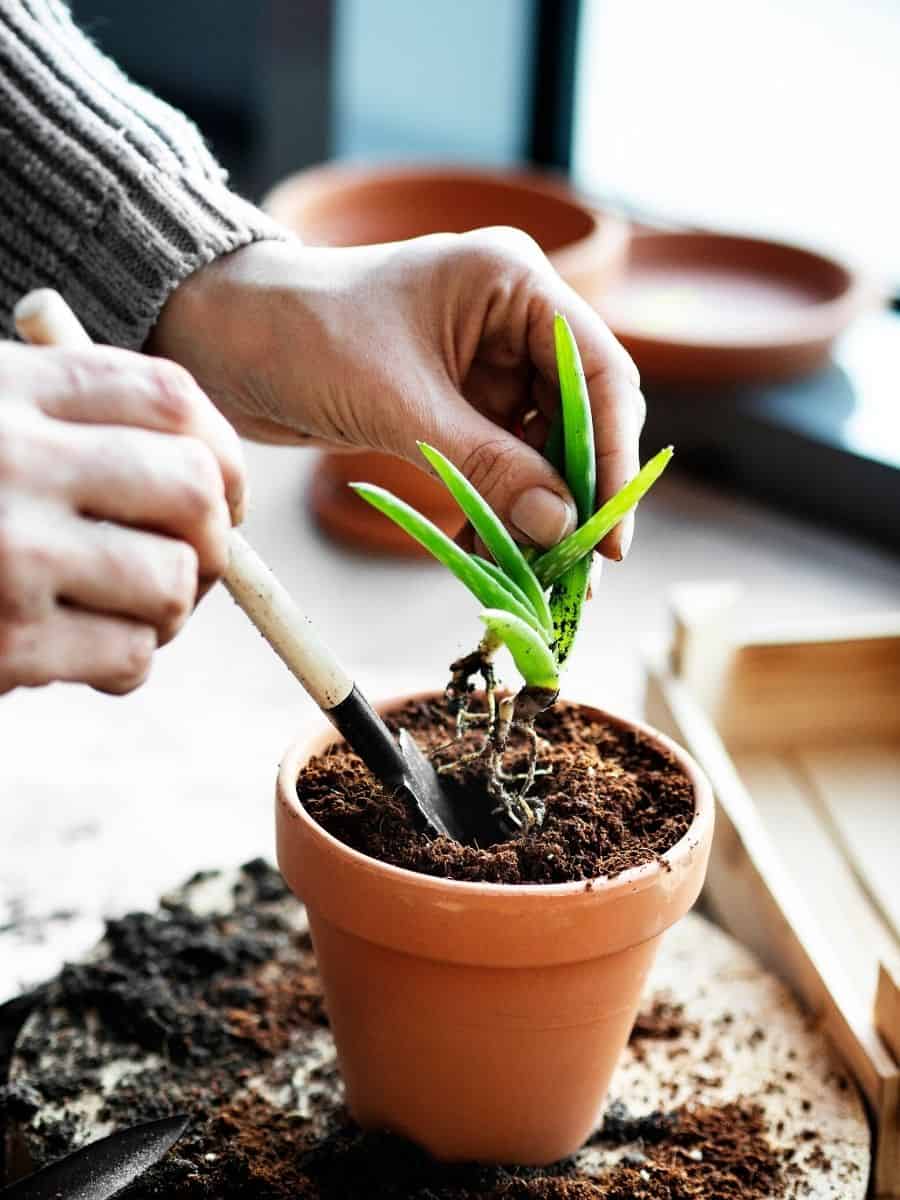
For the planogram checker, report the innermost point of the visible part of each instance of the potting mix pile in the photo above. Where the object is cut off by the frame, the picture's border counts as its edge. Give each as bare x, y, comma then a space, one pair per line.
613, 800
212, 1007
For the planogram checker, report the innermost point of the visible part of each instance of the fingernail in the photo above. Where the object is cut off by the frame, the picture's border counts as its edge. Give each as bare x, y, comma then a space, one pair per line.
542, 516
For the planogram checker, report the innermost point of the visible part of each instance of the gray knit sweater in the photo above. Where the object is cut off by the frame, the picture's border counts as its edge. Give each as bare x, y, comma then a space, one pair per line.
106, 193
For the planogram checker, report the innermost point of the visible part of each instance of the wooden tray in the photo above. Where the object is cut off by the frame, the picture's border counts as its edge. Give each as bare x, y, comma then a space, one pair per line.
800, 736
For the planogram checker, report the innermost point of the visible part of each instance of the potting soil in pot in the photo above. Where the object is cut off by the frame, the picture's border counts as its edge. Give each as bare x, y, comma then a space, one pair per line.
213, 1007
613, 800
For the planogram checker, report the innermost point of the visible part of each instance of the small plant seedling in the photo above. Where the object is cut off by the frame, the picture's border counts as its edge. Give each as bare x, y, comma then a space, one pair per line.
532, 603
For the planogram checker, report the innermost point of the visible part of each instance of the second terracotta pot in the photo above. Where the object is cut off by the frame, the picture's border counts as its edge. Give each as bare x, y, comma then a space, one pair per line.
482, 1021
352, 204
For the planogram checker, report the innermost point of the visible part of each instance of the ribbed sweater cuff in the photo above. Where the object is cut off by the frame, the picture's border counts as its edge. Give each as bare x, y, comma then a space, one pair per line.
106, 193
146, 242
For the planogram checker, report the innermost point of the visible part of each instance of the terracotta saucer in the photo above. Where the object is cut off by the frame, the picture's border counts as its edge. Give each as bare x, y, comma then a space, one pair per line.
715, 308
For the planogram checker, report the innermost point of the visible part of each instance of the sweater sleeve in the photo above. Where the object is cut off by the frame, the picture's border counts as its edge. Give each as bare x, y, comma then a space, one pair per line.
106, 193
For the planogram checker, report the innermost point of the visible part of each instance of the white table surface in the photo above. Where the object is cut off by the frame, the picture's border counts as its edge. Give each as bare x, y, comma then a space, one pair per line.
106, 802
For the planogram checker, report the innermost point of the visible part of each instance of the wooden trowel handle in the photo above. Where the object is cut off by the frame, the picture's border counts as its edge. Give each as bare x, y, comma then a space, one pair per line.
288, 631
45, 319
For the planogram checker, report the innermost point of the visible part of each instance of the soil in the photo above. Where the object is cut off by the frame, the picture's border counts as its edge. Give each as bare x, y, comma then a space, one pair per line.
614, 800
205, 1002
710, 1153
664, 1019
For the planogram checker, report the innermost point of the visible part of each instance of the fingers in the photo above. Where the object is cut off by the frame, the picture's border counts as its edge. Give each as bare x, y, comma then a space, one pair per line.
107, 386
524, 293
149, 578
164, 483
516, 480
48, 556
110, 653
91, 437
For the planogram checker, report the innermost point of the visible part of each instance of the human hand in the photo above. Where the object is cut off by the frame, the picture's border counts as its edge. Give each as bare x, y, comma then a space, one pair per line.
446, 339
118, 484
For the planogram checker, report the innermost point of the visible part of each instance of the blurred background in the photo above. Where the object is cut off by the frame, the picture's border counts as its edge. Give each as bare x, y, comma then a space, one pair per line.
771, 118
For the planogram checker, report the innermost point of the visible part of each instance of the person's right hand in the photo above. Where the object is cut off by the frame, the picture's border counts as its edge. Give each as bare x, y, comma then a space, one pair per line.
119, 481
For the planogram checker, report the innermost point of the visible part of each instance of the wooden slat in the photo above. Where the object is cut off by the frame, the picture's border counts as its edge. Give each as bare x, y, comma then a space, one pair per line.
858, 787
887, 1008
790, 812
703, 638
786, 687
783, 694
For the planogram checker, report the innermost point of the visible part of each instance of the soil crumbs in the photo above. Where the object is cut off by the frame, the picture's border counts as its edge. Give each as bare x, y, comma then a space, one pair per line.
707, 1153
220, 1014
613, 801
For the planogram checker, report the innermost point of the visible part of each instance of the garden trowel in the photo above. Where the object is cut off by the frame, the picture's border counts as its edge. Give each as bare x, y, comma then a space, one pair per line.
397, 762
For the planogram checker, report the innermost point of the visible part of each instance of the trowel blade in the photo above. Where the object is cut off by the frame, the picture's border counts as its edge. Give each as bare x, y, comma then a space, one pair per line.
103, 1168
429, 792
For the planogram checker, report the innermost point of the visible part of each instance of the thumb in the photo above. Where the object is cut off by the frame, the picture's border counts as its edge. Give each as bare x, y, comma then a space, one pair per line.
518, 483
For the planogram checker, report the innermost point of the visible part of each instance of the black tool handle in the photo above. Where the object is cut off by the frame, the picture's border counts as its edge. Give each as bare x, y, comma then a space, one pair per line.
367, 734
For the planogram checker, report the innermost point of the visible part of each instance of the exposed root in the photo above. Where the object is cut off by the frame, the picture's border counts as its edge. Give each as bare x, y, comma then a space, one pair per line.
454, 765
518, 776
504, 714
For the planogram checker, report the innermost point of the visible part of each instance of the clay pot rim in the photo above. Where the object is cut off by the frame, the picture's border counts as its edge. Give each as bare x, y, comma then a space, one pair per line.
608, 235
602, 887
824, 319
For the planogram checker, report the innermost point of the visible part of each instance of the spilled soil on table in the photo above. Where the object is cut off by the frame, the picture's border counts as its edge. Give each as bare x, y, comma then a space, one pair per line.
219, 1010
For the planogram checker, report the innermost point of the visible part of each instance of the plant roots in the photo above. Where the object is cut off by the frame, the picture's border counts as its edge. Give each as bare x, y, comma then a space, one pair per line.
503, 714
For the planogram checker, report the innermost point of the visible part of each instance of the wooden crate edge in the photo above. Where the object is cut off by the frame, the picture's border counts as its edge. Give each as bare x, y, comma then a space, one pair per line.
782, 935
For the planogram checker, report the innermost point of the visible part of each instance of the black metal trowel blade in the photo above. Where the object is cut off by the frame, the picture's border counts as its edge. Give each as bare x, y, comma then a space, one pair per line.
103, 1168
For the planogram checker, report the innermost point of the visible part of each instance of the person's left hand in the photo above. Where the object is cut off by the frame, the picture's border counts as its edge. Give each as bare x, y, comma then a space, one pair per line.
446, 339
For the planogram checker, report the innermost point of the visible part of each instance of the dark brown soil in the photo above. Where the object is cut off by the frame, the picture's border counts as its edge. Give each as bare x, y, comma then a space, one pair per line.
664, 1020
613, 801
697, 1153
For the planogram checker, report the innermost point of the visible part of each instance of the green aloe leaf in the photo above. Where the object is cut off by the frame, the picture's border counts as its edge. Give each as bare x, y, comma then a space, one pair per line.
492, 532
533, 658
550, 566
580, 469
578, 428
554, 447
502, 578
480, 583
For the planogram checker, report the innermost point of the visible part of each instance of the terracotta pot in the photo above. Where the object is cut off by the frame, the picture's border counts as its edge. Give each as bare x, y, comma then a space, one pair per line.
352, 205
483, 1021
360, 204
